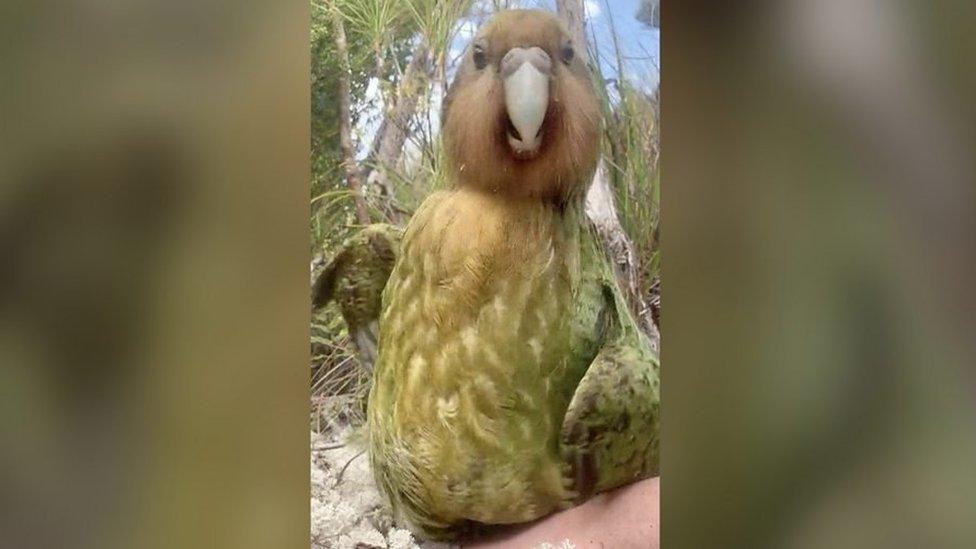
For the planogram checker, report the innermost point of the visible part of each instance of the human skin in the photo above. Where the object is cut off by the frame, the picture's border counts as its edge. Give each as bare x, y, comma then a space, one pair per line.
625, 518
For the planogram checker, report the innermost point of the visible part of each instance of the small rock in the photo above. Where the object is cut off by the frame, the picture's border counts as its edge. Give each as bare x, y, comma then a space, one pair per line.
400, 539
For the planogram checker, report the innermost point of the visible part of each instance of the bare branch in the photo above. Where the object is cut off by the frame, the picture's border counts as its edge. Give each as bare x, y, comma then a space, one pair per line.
345, 120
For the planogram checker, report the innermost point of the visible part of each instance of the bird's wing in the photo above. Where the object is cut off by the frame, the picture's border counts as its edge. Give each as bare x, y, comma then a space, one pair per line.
610, 432
323, 282
355, 279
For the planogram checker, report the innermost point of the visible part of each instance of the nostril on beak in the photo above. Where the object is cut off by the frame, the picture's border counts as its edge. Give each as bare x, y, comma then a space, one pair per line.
516, 57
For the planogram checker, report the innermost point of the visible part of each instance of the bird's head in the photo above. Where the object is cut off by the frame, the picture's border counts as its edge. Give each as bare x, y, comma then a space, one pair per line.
522, 117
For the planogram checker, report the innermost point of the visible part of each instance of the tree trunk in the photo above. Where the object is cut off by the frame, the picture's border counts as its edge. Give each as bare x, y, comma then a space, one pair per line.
600, 205
392, 134
573, 15
602, 211
649, 13
345, 121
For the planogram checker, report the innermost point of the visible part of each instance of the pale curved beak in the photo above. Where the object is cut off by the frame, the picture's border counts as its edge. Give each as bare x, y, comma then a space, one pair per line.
526, 73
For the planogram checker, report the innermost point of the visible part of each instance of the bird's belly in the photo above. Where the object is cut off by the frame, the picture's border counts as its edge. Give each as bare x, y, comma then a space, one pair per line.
477, 406
480, 355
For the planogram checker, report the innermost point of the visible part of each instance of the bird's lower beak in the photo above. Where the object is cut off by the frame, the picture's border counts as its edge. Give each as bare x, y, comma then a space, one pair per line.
526, 73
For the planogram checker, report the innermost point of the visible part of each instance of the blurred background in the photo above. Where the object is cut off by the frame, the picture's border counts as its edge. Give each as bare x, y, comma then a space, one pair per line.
154, 270
153, 274
821, 251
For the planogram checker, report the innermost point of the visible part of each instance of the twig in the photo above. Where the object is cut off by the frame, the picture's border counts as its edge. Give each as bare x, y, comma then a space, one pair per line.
328, 447
346, 466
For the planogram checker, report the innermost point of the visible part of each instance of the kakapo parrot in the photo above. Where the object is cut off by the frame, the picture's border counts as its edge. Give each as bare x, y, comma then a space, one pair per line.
511, 380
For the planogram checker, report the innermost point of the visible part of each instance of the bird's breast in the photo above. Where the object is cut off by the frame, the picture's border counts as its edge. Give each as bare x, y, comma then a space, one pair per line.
477, 359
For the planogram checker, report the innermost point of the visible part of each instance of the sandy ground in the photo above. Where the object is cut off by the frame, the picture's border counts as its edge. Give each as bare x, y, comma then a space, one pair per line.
347, 510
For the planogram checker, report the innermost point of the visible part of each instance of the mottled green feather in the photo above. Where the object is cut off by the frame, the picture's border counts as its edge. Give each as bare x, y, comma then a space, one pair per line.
511, 380
355, 279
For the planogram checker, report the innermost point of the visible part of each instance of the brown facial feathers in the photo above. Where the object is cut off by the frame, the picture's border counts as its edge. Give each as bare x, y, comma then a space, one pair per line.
476, 122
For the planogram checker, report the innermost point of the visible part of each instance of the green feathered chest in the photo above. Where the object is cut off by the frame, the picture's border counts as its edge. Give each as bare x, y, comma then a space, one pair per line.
490, 320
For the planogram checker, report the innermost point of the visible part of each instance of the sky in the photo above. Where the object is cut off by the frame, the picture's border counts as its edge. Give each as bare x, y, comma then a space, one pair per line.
639, 45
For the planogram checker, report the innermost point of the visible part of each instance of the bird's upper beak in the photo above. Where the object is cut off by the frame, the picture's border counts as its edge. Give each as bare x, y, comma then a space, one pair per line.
526, 73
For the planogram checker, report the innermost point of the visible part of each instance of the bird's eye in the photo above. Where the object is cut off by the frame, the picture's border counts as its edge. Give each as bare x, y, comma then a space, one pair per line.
567, 54
480, 59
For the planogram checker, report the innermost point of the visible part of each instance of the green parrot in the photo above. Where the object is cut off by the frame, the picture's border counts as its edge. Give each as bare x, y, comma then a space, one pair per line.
511, 380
